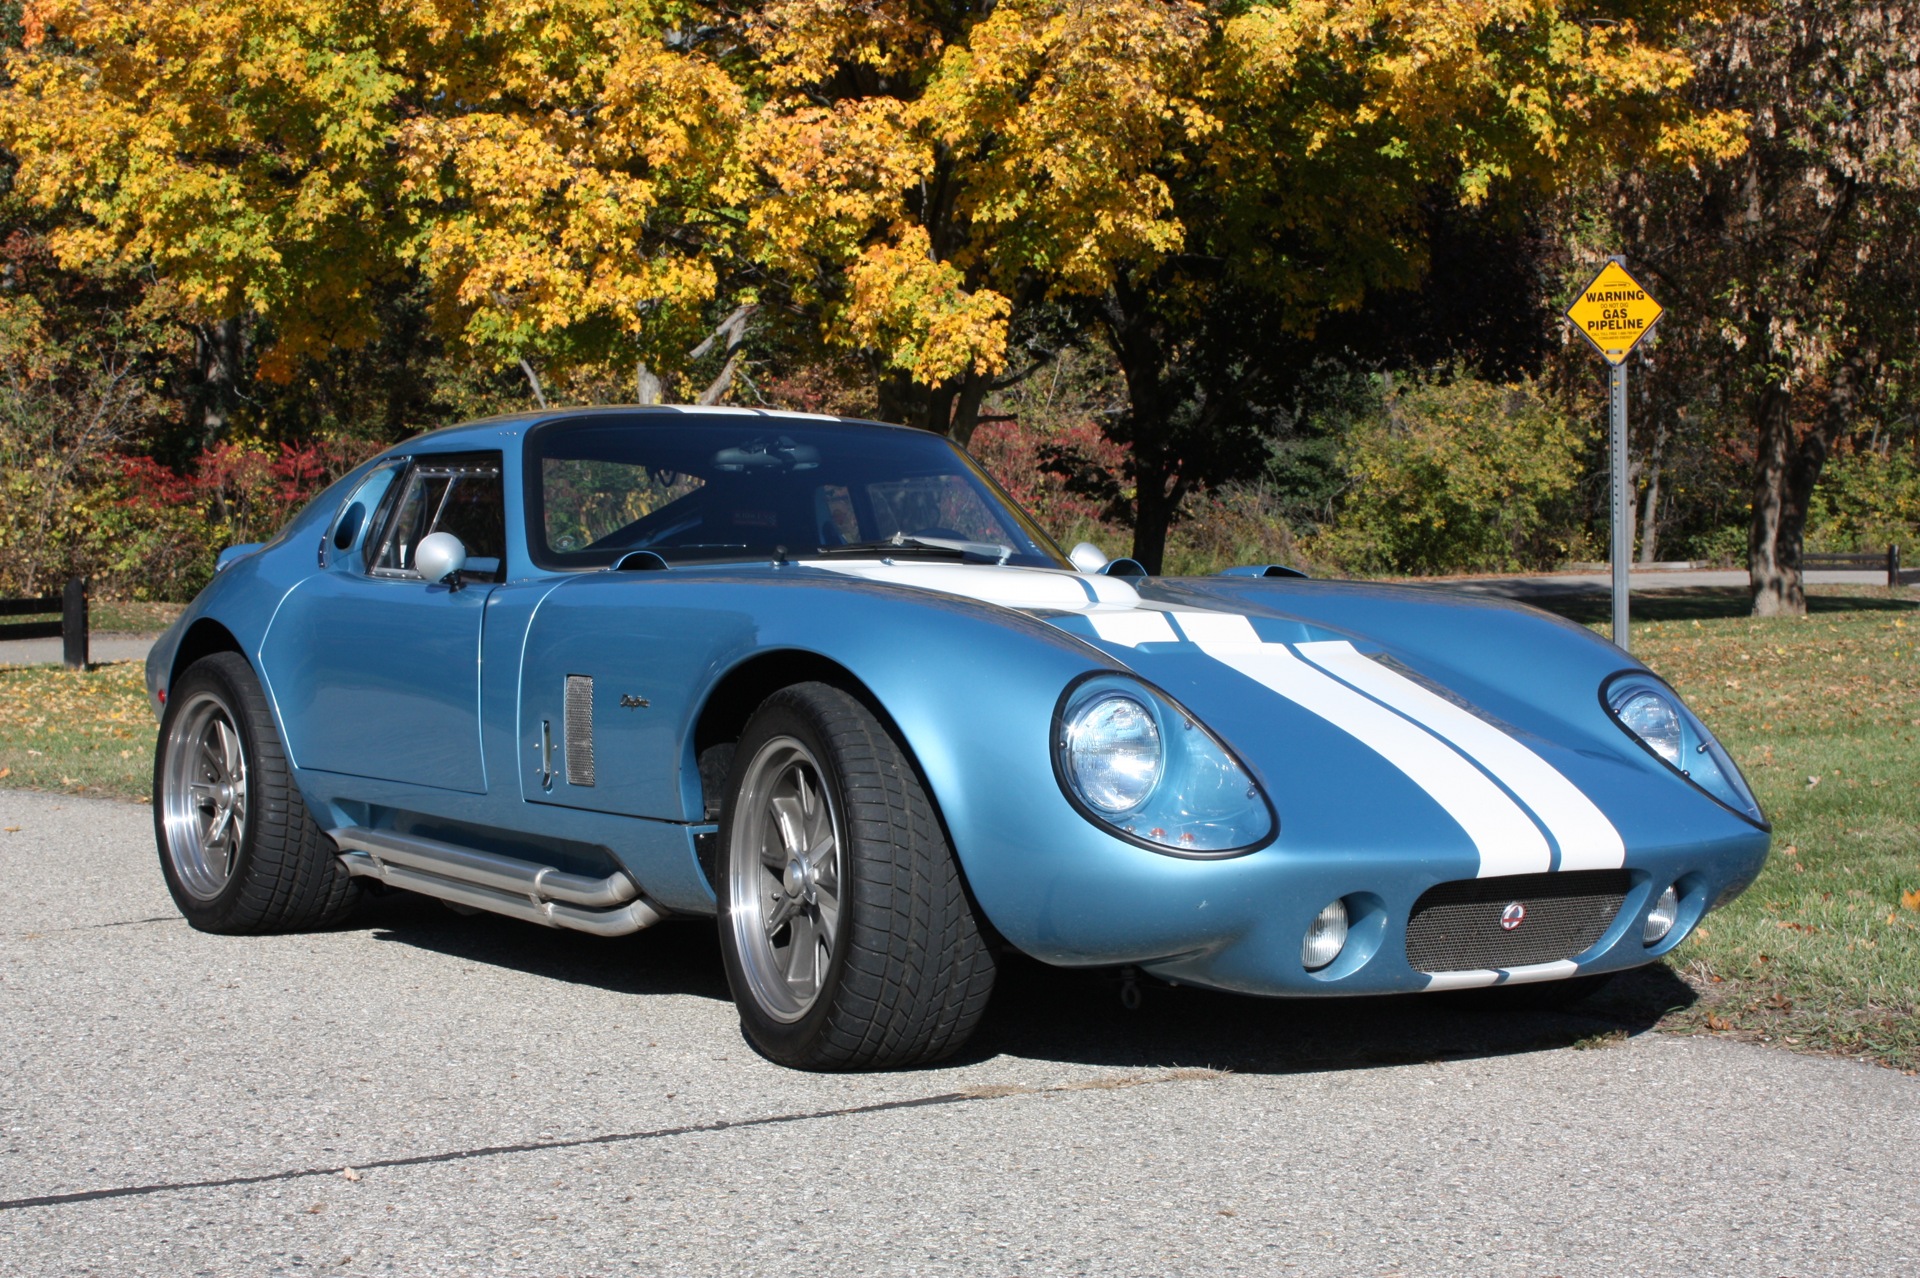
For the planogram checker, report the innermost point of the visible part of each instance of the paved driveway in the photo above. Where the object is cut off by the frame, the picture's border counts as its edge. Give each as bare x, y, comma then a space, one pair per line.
517, 1101
100, 650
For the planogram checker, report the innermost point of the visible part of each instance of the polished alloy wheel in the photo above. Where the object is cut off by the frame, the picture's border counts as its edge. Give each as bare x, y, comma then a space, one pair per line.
204, 793
784, 877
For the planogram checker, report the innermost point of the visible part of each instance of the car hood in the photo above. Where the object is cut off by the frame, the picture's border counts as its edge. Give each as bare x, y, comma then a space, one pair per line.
1409, 698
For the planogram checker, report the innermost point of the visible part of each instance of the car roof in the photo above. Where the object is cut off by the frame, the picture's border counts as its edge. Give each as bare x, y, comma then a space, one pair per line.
488, 431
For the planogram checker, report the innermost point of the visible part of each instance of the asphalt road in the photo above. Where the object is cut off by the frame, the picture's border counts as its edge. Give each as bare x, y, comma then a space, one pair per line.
517, 1101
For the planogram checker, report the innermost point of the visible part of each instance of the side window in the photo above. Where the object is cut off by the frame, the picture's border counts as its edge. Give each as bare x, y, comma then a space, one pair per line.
356, 514
458, 493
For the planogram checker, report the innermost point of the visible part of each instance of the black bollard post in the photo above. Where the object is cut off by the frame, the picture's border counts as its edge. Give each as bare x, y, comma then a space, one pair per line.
73, 624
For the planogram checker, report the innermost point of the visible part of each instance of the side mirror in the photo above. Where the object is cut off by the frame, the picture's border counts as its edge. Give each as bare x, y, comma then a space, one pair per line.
440, 557
1087, 557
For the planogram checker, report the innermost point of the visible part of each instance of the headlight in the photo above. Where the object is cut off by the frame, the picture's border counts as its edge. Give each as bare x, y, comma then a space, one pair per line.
1112, 752
1657, 719
1137, 764
1652, 718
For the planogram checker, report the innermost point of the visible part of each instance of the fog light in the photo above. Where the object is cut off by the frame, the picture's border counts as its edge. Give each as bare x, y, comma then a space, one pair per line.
1660, 918
1326, 937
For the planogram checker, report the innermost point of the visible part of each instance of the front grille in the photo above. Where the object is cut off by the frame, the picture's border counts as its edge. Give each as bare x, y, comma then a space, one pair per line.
1455, 927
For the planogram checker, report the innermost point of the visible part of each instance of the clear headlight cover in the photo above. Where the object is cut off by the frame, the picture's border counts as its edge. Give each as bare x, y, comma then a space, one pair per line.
1137, 764
1653, 715
1113, 752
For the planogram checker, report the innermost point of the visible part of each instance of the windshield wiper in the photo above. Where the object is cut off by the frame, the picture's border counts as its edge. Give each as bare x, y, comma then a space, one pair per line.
923, 547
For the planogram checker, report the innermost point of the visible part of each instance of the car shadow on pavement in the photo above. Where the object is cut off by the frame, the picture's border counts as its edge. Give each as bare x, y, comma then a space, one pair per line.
1078, 1016
680, 956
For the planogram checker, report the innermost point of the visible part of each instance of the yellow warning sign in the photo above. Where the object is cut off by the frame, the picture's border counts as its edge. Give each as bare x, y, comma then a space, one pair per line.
1614, 312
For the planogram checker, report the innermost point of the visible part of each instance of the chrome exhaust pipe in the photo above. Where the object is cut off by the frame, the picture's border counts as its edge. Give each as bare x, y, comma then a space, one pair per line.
541, 894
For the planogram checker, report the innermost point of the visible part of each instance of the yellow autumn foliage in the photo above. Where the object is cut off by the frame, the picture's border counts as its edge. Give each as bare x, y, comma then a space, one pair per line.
593, 181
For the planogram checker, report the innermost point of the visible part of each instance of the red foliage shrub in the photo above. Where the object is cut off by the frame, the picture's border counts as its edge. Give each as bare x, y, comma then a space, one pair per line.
1072, 478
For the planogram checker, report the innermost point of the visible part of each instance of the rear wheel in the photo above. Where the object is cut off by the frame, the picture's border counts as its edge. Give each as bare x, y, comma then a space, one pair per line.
847, 934
238, 850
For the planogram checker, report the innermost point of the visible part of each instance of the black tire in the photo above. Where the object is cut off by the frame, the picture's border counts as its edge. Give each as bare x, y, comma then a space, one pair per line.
266, 867
900, 974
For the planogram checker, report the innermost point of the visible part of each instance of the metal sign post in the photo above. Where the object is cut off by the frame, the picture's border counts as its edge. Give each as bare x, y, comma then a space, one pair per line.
1622, 554
1614, 313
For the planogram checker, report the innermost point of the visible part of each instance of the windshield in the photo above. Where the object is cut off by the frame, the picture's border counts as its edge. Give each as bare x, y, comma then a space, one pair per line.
688, 488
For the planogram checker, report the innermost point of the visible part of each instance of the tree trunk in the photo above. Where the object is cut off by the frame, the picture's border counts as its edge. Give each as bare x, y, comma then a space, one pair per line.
1650, 510
901, 400
1153, 512
219, 350
1132, 331
1773, 540
1785, 475
647, 386
966, 407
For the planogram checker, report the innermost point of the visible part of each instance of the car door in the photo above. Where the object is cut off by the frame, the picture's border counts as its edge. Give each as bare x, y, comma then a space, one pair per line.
376, 670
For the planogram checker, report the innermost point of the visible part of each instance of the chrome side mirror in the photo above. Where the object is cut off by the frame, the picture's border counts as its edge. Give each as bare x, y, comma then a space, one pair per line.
440, 557
1087, 557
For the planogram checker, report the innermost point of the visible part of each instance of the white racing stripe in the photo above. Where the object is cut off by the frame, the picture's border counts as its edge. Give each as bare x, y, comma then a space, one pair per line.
1587, 839
1134, 628
1557, 970
1508, 840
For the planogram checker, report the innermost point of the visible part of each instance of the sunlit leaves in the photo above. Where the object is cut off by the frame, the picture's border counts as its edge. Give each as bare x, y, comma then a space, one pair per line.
241, 150
940, 158
569, 207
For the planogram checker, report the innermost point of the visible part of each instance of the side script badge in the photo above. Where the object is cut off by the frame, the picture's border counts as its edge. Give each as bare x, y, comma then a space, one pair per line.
630, 702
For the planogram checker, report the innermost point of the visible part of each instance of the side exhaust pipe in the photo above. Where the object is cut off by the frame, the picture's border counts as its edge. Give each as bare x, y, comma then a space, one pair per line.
506, 885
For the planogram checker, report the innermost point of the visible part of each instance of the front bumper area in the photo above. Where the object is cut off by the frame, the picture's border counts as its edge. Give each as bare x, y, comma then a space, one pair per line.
1238, 925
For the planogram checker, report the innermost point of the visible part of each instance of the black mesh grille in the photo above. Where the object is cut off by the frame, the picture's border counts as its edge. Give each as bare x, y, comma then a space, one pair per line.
1455, 927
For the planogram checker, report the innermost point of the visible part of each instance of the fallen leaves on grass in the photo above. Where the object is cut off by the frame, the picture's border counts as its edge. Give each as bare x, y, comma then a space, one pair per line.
1718, 1023
1910, 900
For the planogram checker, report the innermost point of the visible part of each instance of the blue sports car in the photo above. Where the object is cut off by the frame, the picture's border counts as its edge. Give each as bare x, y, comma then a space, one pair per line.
822, 680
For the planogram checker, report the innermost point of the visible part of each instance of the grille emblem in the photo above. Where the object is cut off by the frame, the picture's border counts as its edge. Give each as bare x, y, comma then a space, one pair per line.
1513, 916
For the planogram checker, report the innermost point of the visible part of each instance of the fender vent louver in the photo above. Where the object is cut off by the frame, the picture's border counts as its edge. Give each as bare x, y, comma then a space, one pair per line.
579, 729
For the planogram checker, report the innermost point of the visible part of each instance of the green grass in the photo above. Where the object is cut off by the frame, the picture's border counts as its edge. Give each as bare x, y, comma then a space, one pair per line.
79, 731
1822, 953
127, 617
1823, 714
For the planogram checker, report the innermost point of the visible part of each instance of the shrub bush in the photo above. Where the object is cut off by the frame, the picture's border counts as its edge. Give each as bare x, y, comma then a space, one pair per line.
1454, 474
1865, 501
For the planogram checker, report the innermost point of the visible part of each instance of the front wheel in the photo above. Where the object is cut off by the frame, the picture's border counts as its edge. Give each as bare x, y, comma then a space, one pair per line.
238, 850
848, 938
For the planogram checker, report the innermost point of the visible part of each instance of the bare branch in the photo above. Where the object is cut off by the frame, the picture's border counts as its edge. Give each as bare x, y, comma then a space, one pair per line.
533, 380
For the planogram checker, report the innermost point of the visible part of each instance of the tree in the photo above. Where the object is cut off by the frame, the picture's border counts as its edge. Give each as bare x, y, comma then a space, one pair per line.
1787, 271
212, 146
283, 167
1349, 136
933, 175
1197, 182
